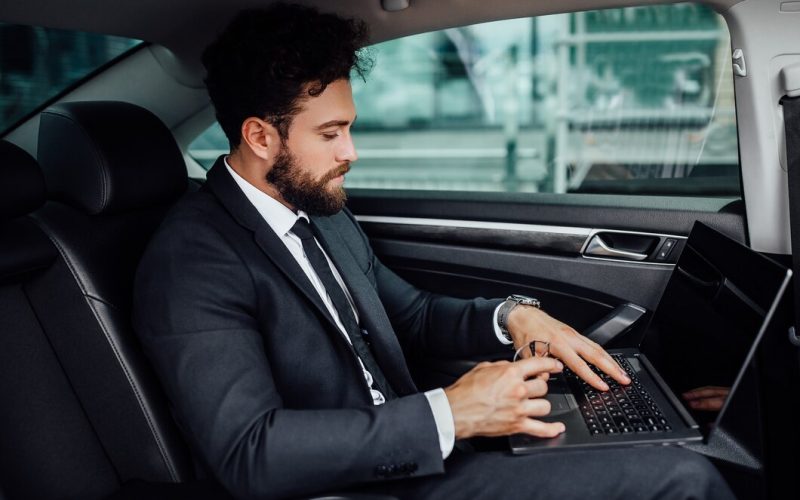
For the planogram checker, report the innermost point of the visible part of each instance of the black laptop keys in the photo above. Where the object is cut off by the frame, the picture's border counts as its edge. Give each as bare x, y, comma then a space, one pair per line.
620, 410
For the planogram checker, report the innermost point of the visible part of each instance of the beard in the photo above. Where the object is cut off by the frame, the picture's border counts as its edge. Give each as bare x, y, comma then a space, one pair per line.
303, 191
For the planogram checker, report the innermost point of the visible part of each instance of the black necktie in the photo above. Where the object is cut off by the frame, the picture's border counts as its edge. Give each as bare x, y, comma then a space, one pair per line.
303, 229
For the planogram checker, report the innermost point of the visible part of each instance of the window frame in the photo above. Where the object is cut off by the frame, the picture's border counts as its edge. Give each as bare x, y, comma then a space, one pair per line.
73, 86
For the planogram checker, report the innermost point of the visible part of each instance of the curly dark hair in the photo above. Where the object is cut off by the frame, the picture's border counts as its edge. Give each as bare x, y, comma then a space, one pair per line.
267, 61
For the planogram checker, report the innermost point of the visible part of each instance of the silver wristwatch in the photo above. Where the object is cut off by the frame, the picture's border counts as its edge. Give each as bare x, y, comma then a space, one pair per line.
506, 307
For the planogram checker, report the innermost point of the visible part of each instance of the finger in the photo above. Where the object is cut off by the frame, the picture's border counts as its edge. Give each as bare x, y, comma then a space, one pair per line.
543, 376
537, 387
611, 368
531, 367
521, 353
712, 404
582, 370
597, 356
706, 392
541, 429
589, 341
538, 407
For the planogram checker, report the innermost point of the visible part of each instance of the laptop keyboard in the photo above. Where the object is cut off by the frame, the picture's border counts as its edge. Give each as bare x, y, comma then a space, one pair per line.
621, 410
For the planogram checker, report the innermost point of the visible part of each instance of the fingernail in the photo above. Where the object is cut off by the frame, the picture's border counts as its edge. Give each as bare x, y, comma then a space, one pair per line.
561, 428
604, 386
559, 365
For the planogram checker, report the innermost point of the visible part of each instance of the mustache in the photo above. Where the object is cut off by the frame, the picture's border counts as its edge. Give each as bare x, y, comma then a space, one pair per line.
336, 172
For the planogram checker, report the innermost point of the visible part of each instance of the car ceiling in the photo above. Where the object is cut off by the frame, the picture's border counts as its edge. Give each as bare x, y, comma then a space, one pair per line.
186, 26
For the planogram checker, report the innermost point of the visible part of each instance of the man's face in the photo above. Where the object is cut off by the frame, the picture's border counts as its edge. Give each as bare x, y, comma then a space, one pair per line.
309, 170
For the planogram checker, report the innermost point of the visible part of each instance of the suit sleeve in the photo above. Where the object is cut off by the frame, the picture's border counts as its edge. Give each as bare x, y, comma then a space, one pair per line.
434, 324
194, 312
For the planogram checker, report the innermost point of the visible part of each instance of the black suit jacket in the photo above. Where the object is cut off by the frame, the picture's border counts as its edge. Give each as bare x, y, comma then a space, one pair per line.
262, 382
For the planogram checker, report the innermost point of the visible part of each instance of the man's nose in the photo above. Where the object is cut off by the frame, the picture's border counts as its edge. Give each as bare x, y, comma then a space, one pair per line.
347, 152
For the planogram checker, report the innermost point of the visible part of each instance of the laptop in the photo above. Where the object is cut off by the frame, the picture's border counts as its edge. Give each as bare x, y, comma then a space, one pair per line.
715, 309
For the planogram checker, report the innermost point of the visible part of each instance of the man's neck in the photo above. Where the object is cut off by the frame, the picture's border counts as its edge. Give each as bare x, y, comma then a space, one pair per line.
252, 170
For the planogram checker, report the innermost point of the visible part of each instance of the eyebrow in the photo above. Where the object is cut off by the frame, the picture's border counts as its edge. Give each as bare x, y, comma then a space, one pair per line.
335, 123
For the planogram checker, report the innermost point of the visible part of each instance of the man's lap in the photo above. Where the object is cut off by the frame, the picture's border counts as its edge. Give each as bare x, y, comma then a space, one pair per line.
631, 473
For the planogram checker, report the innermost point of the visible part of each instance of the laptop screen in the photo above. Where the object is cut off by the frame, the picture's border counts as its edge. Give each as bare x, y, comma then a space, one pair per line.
716, 305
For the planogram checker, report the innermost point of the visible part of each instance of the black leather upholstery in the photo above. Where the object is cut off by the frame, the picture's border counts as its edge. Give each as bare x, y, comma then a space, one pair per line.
22, 187
24, 250
23, 247
109, 157
114, 169
48, 449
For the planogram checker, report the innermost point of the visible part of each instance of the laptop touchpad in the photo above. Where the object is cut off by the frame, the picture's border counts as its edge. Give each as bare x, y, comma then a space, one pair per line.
559, 403
560, 397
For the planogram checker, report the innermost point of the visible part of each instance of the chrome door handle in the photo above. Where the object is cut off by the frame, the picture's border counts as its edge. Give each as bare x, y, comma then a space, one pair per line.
598, 248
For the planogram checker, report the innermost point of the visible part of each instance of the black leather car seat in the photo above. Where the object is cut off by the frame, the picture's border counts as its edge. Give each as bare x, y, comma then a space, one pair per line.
48, 445
112, 170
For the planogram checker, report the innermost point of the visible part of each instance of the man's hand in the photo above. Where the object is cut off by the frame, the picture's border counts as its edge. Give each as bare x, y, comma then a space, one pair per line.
708, 398
498, 399
527, 323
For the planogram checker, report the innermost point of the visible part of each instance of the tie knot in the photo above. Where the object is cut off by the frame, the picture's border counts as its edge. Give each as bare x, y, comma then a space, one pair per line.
302, 229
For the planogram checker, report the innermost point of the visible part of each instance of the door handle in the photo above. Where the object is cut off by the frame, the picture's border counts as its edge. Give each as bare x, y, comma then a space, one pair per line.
599, 248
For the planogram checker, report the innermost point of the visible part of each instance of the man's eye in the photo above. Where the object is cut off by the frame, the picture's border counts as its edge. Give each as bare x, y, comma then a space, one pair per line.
330, 137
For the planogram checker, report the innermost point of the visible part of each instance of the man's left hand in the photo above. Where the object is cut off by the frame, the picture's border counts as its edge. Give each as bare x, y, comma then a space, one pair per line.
526, 324
708, 398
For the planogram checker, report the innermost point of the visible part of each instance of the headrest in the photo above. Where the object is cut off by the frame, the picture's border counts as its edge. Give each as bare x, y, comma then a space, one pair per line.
21, 182
106, 156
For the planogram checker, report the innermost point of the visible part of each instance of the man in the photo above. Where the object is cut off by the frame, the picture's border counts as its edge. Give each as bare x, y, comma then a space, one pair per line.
279, 336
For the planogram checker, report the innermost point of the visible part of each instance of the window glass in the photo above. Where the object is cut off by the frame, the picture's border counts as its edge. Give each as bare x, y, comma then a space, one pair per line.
36, 64
637, 100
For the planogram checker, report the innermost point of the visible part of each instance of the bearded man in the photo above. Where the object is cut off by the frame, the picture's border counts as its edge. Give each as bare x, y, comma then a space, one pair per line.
280, 337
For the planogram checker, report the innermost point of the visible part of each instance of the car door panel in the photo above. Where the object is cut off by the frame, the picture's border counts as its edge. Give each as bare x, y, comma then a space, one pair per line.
532, 244
492, 245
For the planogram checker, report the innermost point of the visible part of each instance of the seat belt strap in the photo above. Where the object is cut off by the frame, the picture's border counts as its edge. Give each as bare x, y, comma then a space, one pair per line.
791, 121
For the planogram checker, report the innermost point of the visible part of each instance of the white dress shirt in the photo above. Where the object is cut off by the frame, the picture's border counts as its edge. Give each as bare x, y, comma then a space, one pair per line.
281, 219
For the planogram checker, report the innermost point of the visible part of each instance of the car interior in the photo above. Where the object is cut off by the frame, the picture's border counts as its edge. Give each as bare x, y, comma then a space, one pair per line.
88, 171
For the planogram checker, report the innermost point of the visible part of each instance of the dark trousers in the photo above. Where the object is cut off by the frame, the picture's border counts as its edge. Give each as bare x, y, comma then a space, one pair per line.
630, 473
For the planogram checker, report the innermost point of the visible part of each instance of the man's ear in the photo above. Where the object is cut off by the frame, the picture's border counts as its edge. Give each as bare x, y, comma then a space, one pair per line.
261, 137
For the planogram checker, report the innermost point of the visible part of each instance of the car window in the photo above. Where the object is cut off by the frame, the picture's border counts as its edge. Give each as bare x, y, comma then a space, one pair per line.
637, 100
37, 64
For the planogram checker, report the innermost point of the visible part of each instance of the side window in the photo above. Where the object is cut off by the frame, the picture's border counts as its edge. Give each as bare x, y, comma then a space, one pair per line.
637, 100
37, 64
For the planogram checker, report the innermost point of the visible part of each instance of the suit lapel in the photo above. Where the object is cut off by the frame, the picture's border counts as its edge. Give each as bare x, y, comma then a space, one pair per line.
387, 349
225, 189
373, 317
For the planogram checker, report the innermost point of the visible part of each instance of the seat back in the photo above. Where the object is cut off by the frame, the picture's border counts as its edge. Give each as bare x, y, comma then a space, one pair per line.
48, 447
112, 170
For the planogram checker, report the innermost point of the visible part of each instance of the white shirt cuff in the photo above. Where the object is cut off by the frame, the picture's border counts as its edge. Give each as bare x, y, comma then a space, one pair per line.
497, 332
443, 418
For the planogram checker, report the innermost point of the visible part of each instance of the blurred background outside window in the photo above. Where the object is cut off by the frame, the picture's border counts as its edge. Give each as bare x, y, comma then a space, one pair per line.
37, 64
637, 100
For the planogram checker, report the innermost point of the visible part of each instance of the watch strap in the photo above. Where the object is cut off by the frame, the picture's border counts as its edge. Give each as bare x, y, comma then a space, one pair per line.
502, 317
505, 310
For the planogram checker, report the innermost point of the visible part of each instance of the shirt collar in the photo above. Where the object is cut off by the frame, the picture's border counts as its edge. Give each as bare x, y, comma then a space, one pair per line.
279, 217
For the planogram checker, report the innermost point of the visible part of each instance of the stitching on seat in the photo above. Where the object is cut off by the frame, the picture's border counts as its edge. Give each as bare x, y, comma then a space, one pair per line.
78, 400
104, 180
162, 450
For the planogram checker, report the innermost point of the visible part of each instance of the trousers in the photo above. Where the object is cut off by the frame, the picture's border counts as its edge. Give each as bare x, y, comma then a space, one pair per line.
626, 473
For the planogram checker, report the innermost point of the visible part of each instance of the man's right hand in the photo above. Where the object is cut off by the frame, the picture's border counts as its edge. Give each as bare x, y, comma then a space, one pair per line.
499, 399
